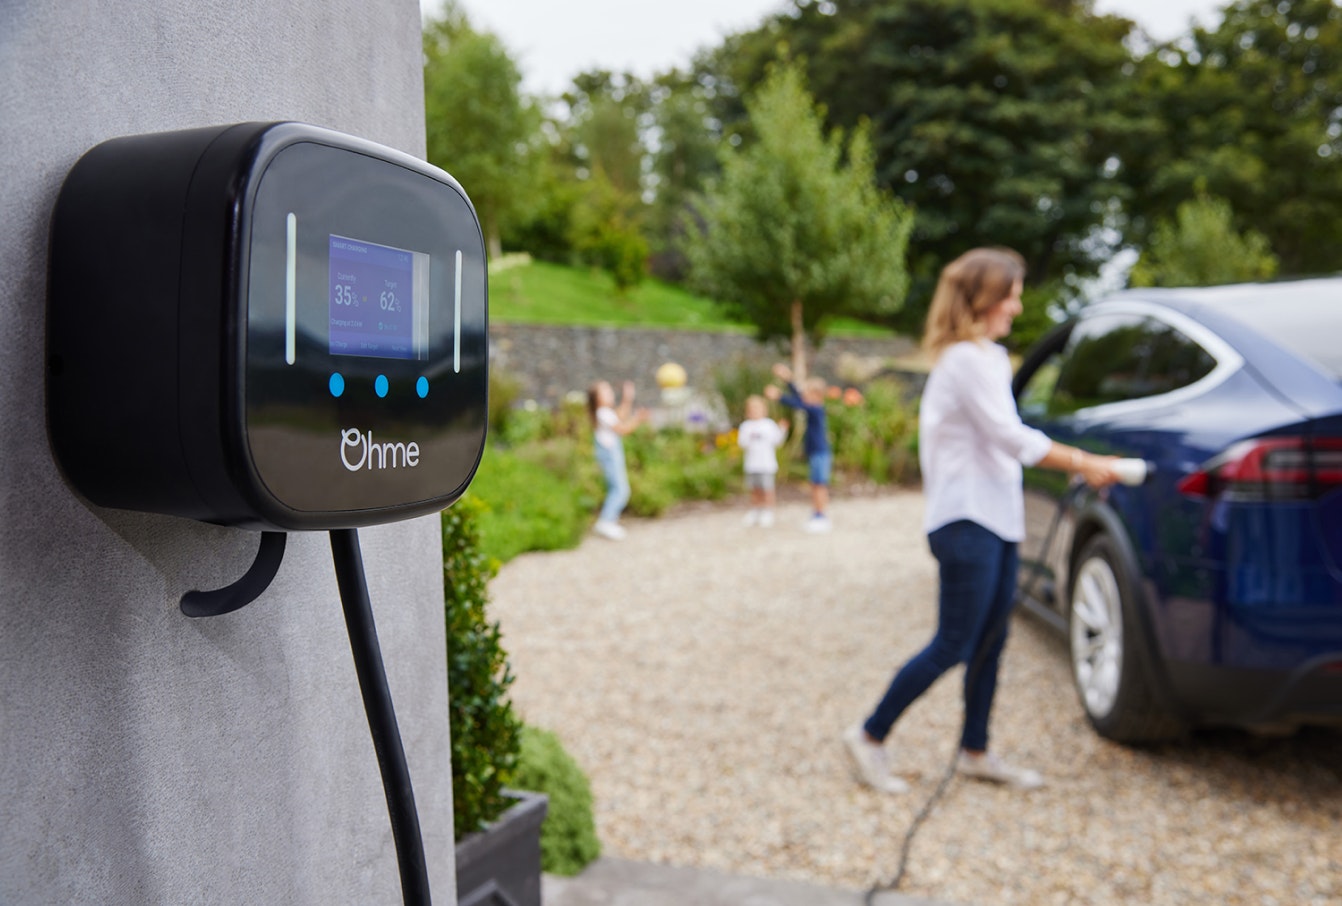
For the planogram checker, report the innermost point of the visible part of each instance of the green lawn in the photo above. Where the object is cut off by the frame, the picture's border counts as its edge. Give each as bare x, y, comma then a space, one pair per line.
542, 293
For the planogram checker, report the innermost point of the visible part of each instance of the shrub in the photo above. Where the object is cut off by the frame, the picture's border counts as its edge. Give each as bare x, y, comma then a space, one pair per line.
876, 434
523, 504
571, 418
523, 425
504, 389
531, 422
670, 465
568, 836
651, 495
484, 729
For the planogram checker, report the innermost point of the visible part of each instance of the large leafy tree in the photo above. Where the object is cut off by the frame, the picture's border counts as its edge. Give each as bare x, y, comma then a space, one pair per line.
1250, 111
993, 118
794, 234
480, 128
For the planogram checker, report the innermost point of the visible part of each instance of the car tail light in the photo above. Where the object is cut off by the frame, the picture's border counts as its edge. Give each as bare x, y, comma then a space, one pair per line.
1270, 468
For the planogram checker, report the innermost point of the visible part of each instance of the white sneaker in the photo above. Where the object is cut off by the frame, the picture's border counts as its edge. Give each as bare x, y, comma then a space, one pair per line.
611, 530
766, 518
752, 519
817, 525
989, 767
869, 758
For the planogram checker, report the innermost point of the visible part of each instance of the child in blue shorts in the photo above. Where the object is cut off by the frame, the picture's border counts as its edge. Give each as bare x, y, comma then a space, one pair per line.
810, 398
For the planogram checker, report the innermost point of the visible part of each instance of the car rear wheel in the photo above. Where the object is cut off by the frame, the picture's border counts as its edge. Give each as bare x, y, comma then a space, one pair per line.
1106, 650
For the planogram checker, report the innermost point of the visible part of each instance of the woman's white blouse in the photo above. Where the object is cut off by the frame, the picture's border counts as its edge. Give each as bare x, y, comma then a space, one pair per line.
971, 442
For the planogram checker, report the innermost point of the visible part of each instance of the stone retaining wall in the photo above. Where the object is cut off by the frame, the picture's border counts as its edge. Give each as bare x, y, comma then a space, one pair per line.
552, 361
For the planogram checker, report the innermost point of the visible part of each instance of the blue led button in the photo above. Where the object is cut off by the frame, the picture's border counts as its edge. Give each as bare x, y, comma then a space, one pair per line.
422, 387
337, 384
381, 385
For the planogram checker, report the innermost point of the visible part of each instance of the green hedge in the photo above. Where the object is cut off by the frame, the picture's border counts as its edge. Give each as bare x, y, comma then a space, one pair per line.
568, 837
485, 732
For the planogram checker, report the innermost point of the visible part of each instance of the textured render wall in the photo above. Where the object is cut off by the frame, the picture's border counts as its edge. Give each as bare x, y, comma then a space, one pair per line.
144, 757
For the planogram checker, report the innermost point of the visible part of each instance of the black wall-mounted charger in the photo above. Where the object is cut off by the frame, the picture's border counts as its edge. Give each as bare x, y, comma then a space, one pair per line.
268, 325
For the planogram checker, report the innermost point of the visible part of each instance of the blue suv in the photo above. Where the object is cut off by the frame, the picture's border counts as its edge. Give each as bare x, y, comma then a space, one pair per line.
1211, 594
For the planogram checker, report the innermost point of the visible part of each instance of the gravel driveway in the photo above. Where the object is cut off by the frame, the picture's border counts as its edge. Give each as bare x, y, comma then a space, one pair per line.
701, 672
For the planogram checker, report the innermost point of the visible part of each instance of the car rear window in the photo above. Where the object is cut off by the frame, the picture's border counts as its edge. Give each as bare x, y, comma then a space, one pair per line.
1115, 358
1304, 317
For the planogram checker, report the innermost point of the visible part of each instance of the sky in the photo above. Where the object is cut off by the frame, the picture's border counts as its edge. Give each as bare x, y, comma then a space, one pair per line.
554, 40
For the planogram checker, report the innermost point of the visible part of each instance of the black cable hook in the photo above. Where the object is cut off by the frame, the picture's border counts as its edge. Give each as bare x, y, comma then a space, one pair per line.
244, 591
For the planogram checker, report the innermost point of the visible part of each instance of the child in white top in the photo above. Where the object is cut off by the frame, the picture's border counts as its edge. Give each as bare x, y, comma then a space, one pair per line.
760, 437
609, 425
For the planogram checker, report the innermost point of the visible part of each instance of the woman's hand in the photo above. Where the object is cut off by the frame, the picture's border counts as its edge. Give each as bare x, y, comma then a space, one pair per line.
1097, 471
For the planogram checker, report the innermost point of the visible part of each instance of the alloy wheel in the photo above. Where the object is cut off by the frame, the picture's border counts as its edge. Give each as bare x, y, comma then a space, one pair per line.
1097, 636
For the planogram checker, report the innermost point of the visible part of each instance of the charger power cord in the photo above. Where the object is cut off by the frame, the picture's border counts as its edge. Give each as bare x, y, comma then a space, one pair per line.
381, 717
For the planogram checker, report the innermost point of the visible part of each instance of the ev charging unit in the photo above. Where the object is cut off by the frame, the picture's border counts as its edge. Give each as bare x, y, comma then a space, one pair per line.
276, 327
266, 325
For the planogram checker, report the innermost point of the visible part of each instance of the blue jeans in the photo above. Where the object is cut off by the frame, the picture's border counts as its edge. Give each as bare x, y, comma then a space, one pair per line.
611, 461
820, 465
978, 585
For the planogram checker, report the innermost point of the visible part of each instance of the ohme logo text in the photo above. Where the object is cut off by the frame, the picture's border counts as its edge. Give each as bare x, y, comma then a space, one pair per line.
360, 451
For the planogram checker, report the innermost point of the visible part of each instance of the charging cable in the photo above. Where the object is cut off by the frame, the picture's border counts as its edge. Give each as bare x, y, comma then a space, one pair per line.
381, 716
372, 684
1131, 472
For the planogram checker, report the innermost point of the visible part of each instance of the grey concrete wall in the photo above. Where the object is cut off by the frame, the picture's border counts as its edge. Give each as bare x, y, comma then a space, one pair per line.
551, 361
145, 757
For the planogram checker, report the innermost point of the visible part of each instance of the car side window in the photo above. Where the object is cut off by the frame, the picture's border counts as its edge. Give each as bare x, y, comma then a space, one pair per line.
1172, 360
1035, 396
1115, 358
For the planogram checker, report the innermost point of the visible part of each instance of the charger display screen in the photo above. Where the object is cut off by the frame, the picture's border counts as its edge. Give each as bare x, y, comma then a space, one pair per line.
378, 300
367, 342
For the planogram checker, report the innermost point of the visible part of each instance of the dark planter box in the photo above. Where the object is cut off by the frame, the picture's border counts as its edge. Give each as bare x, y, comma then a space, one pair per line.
501, 866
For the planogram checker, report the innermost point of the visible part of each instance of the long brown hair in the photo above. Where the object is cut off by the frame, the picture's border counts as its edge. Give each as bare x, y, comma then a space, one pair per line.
592, 405
969, 286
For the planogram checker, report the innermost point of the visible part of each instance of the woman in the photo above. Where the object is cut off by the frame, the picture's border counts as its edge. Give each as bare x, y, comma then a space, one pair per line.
972, 445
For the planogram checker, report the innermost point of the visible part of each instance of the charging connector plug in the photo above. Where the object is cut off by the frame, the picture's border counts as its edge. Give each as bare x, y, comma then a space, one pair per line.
1132, 472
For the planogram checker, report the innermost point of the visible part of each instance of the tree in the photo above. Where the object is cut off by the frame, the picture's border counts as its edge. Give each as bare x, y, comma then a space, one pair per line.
1250, 111
792, 234
604, 232
1202, 248
684, 157
995, 119
479, 126
545, 229
605, 110
602, 143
